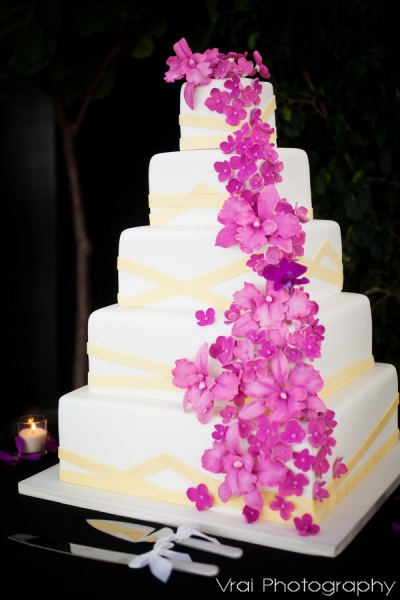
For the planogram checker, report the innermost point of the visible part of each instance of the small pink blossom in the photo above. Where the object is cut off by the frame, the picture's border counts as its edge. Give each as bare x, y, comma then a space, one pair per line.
235, 112
293, 484
206, 317
224, 170
285, 507
250, 514
321, 465
339, 468
293, 432
217, 100
200, 496
305, 525
228, 413
319, 493
222, 349
317, 434
303, 460
219, 433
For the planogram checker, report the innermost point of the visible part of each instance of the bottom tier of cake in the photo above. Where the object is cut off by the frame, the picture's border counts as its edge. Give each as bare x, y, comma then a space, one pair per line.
152, 449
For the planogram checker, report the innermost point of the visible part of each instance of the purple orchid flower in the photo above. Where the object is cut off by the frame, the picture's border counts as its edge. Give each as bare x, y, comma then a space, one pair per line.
286, 274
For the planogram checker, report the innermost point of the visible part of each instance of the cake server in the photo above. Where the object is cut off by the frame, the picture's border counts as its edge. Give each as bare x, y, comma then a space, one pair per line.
123, 558
134, 532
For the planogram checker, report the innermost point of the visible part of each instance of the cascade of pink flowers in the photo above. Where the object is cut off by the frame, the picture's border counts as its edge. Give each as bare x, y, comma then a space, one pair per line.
258, 380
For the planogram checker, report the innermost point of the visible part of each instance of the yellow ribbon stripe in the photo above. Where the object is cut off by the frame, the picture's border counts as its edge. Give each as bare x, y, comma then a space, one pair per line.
170, 206
160, 378
338, 380
316, 269
198, 288
168, 285
207, 142
218, 122
132, 481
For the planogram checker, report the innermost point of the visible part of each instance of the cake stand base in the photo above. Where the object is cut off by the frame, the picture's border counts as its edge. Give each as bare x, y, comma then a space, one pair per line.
338, 529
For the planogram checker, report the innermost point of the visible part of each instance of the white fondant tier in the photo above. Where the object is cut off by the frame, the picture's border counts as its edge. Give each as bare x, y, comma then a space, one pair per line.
172, 267
184, 189
203, 128
133, 351
147, 446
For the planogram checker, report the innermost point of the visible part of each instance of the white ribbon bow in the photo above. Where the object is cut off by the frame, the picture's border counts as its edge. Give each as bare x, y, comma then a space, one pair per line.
158, 558
186, 532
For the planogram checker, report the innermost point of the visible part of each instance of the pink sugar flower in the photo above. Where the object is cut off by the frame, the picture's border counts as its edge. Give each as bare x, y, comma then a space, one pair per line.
249, 96
233, 85
282, 452
329, 418
228, 413
250, 514
263, 70
253, 505
212, 457
200, 496
224, 170
319, 493
267, 350
222, 349
267, 430
339, 468
206, 317
305, 525
234, 186
285, 507
317, 433
256, 182
219, 433
256, 444
195, 67
217, 100
193, 375
226, 386
243, 166
271, 472
228, 145
303, 460
293, 484
235, 112
321, 465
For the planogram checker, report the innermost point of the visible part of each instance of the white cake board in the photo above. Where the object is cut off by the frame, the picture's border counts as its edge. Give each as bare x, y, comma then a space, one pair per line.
338, 529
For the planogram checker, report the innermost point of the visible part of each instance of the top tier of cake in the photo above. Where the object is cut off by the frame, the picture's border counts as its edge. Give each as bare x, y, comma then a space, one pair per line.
203, 129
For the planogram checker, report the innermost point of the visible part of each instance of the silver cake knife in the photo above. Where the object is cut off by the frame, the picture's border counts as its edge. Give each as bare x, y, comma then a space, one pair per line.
122, 558
135, 532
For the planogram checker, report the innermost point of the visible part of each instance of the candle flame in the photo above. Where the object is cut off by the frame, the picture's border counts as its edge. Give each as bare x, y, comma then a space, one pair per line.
32, 423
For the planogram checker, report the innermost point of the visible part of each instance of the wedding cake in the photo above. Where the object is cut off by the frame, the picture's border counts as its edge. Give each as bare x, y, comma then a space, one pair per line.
233, 374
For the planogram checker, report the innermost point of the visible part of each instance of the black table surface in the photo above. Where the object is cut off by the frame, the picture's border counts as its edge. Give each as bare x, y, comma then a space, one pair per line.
368, 567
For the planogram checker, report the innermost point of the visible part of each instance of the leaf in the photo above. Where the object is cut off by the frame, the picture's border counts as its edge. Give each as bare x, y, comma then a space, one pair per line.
144, 47
28, 36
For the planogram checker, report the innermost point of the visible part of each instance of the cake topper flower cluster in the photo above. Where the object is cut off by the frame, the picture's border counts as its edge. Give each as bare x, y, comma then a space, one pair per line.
199, 68
258, 380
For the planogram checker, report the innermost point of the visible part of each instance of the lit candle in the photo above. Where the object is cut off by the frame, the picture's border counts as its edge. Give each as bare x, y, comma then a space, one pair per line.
33, 431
